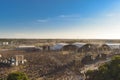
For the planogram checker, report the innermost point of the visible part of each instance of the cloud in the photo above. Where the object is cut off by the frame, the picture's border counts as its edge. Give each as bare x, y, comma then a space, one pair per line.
42, 20
69, 16
110, 15
59, 18
116, 14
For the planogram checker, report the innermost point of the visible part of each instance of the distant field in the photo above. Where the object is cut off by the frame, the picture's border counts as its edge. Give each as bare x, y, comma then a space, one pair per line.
35, 41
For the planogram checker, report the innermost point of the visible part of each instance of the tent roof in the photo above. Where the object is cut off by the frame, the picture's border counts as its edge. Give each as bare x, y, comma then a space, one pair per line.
79, 44
112, 43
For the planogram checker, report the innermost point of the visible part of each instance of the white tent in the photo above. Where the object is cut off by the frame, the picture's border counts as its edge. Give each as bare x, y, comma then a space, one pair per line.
26, 46
58, 46
79, 45
114, 45
0, 55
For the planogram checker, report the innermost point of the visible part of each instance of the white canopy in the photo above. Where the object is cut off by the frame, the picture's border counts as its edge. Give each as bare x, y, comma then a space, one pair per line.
26, 46
79, 45
114, 45
58, 46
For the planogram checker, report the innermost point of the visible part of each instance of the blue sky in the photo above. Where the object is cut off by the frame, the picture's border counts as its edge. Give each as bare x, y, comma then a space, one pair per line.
77, 19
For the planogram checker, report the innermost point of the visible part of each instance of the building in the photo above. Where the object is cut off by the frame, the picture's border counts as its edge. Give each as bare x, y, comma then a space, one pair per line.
5, 43
19, 59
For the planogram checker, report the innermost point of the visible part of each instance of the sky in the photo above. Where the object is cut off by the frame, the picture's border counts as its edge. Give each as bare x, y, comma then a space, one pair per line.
60, 19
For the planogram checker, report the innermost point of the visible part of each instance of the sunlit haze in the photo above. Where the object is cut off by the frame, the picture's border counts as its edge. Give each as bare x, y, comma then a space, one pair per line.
71, 19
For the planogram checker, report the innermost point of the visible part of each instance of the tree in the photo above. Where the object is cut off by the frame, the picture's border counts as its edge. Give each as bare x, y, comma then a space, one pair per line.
17, 76
108, 71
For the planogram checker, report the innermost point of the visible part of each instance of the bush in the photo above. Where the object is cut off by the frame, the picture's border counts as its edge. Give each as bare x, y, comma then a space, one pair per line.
108, 71
17, 76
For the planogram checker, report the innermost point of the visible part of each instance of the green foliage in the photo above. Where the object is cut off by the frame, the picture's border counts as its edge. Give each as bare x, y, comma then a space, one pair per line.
108, 71
17, 76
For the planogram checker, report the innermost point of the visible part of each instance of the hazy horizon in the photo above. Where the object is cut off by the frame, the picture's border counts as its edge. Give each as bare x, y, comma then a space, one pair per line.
60, 19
